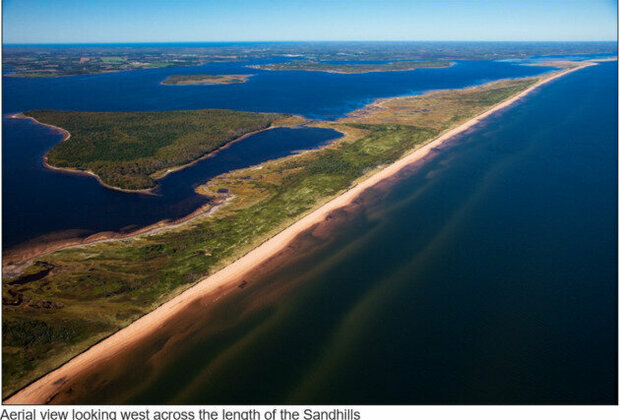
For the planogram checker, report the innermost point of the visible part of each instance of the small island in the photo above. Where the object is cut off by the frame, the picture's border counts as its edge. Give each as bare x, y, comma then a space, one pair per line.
206, 79
350, 68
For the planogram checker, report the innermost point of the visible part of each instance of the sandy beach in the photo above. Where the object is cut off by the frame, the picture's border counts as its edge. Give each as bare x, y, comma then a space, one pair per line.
44, 389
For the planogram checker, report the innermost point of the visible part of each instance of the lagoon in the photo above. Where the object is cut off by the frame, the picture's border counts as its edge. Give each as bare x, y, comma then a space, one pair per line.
42, 205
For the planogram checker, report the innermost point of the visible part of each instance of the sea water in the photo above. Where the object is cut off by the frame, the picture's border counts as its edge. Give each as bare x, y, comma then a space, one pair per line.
486, 274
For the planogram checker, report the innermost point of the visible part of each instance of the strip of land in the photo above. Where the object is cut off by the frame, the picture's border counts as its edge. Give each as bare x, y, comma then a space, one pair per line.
55, 61
350, 68
205, 79
100, 288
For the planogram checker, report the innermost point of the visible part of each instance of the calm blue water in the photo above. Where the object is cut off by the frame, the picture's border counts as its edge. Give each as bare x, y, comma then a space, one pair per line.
574, 57
55, 202
487, 274
40, 202
312, 94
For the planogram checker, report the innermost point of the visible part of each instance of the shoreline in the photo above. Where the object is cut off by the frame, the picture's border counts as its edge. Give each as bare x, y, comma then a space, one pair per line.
246, 78
45, 388
72, 171
22, 254
451, 64
85, 172
165, 172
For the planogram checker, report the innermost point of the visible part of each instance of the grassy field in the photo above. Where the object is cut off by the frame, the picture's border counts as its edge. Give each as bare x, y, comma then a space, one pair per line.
112, 59
88, 292
440, 109
354, 67
206, 79
126, 149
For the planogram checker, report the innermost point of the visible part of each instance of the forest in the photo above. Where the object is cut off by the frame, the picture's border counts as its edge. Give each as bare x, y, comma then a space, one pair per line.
126, 149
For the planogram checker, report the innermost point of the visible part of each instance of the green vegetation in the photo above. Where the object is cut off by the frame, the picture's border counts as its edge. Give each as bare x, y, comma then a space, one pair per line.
206, 79
32, 75
59, 61
440, 109
92, 291
127, 149
354, 67
111, 59
53, 61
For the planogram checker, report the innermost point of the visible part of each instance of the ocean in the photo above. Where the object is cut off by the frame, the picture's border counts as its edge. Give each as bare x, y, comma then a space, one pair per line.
486, 274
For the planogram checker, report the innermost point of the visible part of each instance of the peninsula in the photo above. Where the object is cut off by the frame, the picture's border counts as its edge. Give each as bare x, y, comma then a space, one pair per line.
206, 79
131, 150
74, 298
350, 68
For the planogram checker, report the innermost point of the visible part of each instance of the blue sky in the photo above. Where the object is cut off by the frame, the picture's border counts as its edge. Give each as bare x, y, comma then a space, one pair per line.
61, 21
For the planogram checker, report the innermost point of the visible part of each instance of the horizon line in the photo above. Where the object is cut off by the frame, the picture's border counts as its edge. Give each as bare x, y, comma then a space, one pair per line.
299, 41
